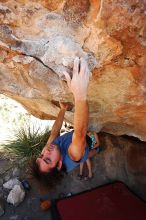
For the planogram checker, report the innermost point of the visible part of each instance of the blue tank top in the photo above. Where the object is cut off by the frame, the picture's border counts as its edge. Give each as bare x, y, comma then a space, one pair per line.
63, 143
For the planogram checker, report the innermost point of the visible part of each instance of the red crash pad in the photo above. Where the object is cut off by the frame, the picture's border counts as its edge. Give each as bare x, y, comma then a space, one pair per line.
109, 202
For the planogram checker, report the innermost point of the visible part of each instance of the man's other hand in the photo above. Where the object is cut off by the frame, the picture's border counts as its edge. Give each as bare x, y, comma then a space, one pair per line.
64, 106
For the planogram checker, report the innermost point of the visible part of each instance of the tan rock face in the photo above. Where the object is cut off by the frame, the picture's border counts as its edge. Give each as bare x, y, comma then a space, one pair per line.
39, 40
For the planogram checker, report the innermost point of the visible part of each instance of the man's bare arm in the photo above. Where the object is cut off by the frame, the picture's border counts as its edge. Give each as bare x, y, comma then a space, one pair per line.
79, 85
77, 147
55, 132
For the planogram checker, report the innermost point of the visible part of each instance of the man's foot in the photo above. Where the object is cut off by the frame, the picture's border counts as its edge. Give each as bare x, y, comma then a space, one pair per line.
89, 177
80, 176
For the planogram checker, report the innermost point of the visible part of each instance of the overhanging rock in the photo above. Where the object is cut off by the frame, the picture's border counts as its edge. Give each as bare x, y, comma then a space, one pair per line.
39, 40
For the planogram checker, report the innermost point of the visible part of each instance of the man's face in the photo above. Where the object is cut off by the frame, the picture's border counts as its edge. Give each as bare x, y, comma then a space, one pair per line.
49, 158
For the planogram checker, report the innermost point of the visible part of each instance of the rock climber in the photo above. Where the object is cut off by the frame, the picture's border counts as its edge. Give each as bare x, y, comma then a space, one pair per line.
69, 150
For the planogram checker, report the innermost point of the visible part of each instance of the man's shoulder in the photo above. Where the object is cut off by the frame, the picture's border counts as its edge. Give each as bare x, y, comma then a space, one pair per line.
63, 138
67, 137
65, 134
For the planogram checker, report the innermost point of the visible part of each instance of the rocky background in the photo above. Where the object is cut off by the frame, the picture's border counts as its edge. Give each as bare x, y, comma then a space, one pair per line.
39, 39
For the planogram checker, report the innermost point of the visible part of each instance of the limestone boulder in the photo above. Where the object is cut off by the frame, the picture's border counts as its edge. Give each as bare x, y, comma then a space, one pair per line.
39, 40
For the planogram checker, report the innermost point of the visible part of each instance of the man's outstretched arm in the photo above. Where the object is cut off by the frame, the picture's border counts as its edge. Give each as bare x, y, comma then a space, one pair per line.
79, 86
55, 132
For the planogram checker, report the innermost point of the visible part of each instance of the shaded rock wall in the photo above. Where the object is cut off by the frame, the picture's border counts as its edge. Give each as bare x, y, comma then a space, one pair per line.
39, 39
129, 168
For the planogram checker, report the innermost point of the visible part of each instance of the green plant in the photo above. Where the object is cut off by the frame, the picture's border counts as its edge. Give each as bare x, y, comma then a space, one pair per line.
27, 142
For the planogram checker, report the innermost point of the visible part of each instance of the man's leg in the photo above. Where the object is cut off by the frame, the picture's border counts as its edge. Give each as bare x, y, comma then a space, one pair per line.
88, 161
92, 153
81, 168
80, 175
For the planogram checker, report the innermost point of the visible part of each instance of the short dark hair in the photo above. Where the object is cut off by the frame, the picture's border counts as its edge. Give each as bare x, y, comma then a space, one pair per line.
49, 179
